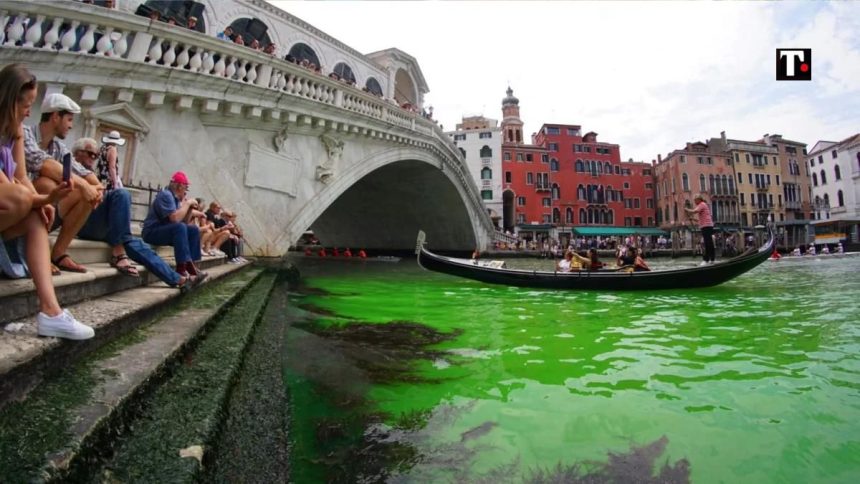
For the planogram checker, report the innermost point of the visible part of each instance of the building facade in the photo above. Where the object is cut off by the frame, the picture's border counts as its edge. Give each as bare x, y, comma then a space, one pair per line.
835, 174
698, 168
479, 140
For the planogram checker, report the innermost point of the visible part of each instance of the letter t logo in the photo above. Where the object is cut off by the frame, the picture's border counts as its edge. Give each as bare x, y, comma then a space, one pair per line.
793, 64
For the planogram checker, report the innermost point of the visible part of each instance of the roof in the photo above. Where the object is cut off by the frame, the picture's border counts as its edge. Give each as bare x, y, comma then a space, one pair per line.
608, 231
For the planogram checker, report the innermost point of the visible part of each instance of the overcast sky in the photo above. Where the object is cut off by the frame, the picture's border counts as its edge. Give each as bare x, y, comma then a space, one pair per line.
649, 76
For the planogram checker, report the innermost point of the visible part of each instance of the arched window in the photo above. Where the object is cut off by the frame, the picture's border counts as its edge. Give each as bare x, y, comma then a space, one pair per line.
823, 178
731, 185
702, 183
251, 29
607, 168
610, 194
814, 179
593, 167
599, 168
580, 192
486, 173
583, 218
300, 52
344, 72
556, 216
486, 152
556, 191
666, 218
611, 219
837, 172
553, 164
579, 167
827, 200
675, 212
373, 86
685, 182
840, 199
568, 215
711, 183
725, 185
463, 152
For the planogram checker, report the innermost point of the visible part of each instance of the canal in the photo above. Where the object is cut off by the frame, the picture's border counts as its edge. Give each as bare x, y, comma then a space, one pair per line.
398, 374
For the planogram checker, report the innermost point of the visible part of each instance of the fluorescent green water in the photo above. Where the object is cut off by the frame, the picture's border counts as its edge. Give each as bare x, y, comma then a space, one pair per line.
756, 380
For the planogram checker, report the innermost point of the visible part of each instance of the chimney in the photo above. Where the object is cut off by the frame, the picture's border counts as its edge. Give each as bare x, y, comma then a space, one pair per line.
659, 158
723, 137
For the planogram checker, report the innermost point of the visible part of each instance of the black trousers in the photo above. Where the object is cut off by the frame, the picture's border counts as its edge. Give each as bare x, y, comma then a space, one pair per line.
708, 237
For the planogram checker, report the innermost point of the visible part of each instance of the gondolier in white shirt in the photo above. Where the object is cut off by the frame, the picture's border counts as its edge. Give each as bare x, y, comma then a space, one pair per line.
706, 225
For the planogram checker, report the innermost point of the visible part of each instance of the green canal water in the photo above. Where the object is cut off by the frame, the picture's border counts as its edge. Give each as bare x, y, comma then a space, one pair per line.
402, 375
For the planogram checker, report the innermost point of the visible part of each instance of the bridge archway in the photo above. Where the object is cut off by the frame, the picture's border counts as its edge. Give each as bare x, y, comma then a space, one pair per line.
383, 201
404, 88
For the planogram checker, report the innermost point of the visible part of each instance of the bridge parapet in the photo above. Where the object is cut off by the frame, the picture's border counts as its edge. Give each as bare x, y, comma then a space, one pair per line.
71, 44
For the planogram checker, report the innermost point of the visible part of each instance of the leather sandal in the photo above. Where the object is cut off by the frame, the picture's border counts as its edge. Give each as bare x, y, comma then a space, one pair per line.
128, 269
70, 265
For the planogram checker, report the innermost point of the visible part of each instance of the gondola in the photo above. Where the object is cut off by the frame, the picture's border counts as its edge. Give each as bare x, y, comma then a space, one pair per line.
685, 278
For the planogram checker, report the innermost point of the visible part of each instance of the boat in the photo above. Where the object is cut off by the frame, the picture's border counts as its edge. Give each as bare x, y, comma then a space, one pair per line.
682, 278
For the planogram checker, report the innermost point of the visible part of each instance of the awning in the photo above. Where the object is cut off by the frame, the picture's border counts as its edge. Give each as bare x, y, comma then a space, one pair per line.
621, 231
828, 239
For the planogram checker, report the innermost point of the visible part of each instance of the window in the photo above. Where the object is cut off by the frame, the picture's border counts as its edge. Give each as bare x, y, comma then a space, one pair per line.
710, 161
344, 72
702, 183
459, 137
823, 178
820, 159
758, 160
507, 156
529, 157
553, 146
485, 135
683, 159
486, 152
373, 86
579, 167
587, 149
607, 168
747, 155
814, 179
812, 162
568, 215
508, 177
617, 170
649, 186
685, 182
577, 148
546, 202
740, 178
777, 180
751, 178
840, 198
530, 178
837, 173
553, 165
626, 185
636, 203
486, 173
556, 216
646, 172
544, 158
737, 158
580, 192
552, 130
486, 194
583, 218
519, 157
573, 132
701, 160
649, 203
521, 218
556, 191
833, 154
521, 201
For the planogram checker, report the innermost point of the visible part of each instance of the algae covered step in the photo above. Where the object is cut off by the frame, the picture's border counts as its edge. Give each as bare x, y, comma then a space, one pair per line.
174, 426
70, 418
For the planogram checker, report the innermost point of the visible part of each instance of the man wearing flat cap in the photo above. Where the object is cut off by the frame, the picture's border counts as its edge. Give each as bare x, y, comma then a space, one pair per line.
43, 152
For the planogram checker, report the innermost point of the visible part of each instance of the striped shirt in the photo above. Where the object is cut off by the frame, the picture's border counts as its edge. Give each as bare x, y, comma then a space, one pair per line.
704, 214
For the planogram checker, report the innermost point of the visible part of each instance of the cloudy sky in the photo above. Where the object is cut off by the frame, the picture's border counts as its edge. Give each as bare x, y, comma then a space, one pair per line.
649, 76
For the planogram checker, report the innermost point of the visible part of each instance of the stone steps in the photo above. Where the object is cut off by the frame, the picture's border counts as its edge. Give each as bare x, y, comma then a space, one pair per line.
90, 388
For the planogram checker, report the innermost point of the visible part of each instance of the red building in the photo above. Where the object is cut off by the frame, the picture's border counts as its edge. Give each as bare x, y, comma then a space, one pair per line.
568, 180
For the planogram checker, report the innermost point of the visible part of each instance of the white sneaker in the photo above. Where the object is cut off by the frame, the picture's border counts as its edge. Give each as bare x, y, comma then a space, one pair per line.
63, 325
704, 263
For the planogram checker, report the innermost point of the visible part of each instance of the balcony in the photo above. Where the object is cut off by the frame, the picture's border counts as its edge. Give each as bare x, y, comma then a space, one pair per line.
762, 188
540, 187
792, 205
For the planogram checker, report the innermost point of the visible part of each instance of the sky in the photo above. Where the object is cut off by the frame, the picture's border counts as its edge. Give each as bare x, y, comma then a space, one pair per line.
648, 76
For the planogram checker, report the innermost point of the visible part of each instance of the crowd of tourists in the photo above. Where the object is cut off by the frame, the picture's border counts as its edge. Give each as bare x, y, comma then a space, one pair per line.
46, 186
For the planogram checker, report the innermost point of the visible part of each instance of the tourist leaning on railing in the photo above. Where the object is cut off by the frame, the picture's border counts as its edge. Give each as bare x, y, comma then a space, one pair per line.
26, 213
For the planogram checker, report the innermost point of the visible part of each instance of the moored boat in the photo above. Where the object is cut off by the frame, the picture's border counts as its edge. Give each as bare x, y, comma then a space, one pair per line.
682, 278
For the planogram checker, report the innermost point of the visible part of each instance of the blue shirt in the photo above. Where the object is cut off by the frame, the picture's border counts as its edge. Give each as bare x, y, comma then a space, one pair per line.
165, 203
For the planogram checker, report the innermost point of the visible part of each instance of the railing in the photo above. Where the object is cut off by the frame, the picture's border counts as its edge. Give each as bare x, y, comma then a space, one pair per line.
792, 205
78, 29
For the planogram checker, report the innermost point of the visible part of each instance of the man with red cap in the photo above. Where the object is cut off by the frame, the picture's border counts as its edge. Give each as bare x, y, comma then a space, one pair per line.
165, 225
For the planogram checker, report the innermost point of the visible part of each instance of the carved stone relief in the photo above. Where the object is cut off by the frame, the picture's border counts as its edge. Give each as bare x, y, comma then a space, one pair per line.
326, 169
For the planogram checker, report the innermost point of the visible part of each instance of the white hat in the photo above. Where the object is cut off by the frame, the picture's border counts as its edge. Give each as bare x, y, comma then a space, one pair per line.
113, 138
57, 102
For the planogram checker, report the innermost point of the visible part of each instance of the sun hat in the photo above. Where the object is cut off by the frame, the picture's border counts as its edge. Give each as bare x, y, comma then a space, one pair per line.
56, 102
179, 177
113, 138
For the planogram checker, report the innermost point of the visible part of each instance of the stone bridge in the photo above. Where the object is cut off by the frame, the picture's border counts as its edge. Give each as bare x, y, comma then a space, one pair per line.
289, 149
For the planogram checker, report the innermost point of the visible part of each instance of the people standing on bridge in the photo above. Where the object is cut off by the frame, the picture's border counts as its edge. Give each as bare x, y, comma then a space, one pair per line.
25, 214
706, 225
164, 225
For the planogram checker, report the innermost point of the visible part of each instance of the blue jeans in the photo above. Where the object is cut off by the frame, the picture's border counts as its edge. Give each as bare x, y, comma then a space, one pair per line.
184, 238
111, 222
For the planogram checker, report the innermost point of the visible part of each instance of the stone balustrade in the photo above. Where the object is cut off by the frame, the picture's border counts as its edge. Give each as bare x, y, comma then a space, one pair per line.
76, 30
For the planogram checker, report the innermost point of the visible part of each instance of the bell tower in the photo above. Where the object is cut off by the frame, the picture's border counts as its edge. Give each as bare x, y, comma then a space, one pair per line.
512, 125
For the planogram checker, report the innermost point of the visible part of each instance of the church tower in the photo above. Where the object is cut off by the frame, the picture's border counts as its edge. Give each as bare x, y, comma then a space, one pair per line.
512, 125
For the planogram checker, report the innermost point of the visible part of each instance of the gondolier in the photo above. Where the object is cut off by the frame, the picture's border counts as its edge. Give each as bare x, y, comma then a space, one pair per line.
706, 225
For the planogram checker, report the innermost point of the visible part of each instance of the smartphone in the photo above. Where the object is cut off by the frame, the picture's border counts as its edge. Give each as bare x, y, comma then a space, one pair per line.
67, 167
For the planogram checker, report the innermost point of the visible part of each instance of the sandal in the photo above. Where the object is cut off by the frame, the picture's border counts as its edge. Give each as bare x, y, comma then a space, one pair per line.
128, 269
55, 271
70, 265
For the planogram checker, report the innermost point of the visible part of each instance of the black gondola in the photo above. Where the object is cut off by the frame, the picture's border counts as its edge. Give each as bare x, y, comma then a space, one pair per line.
703, 276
